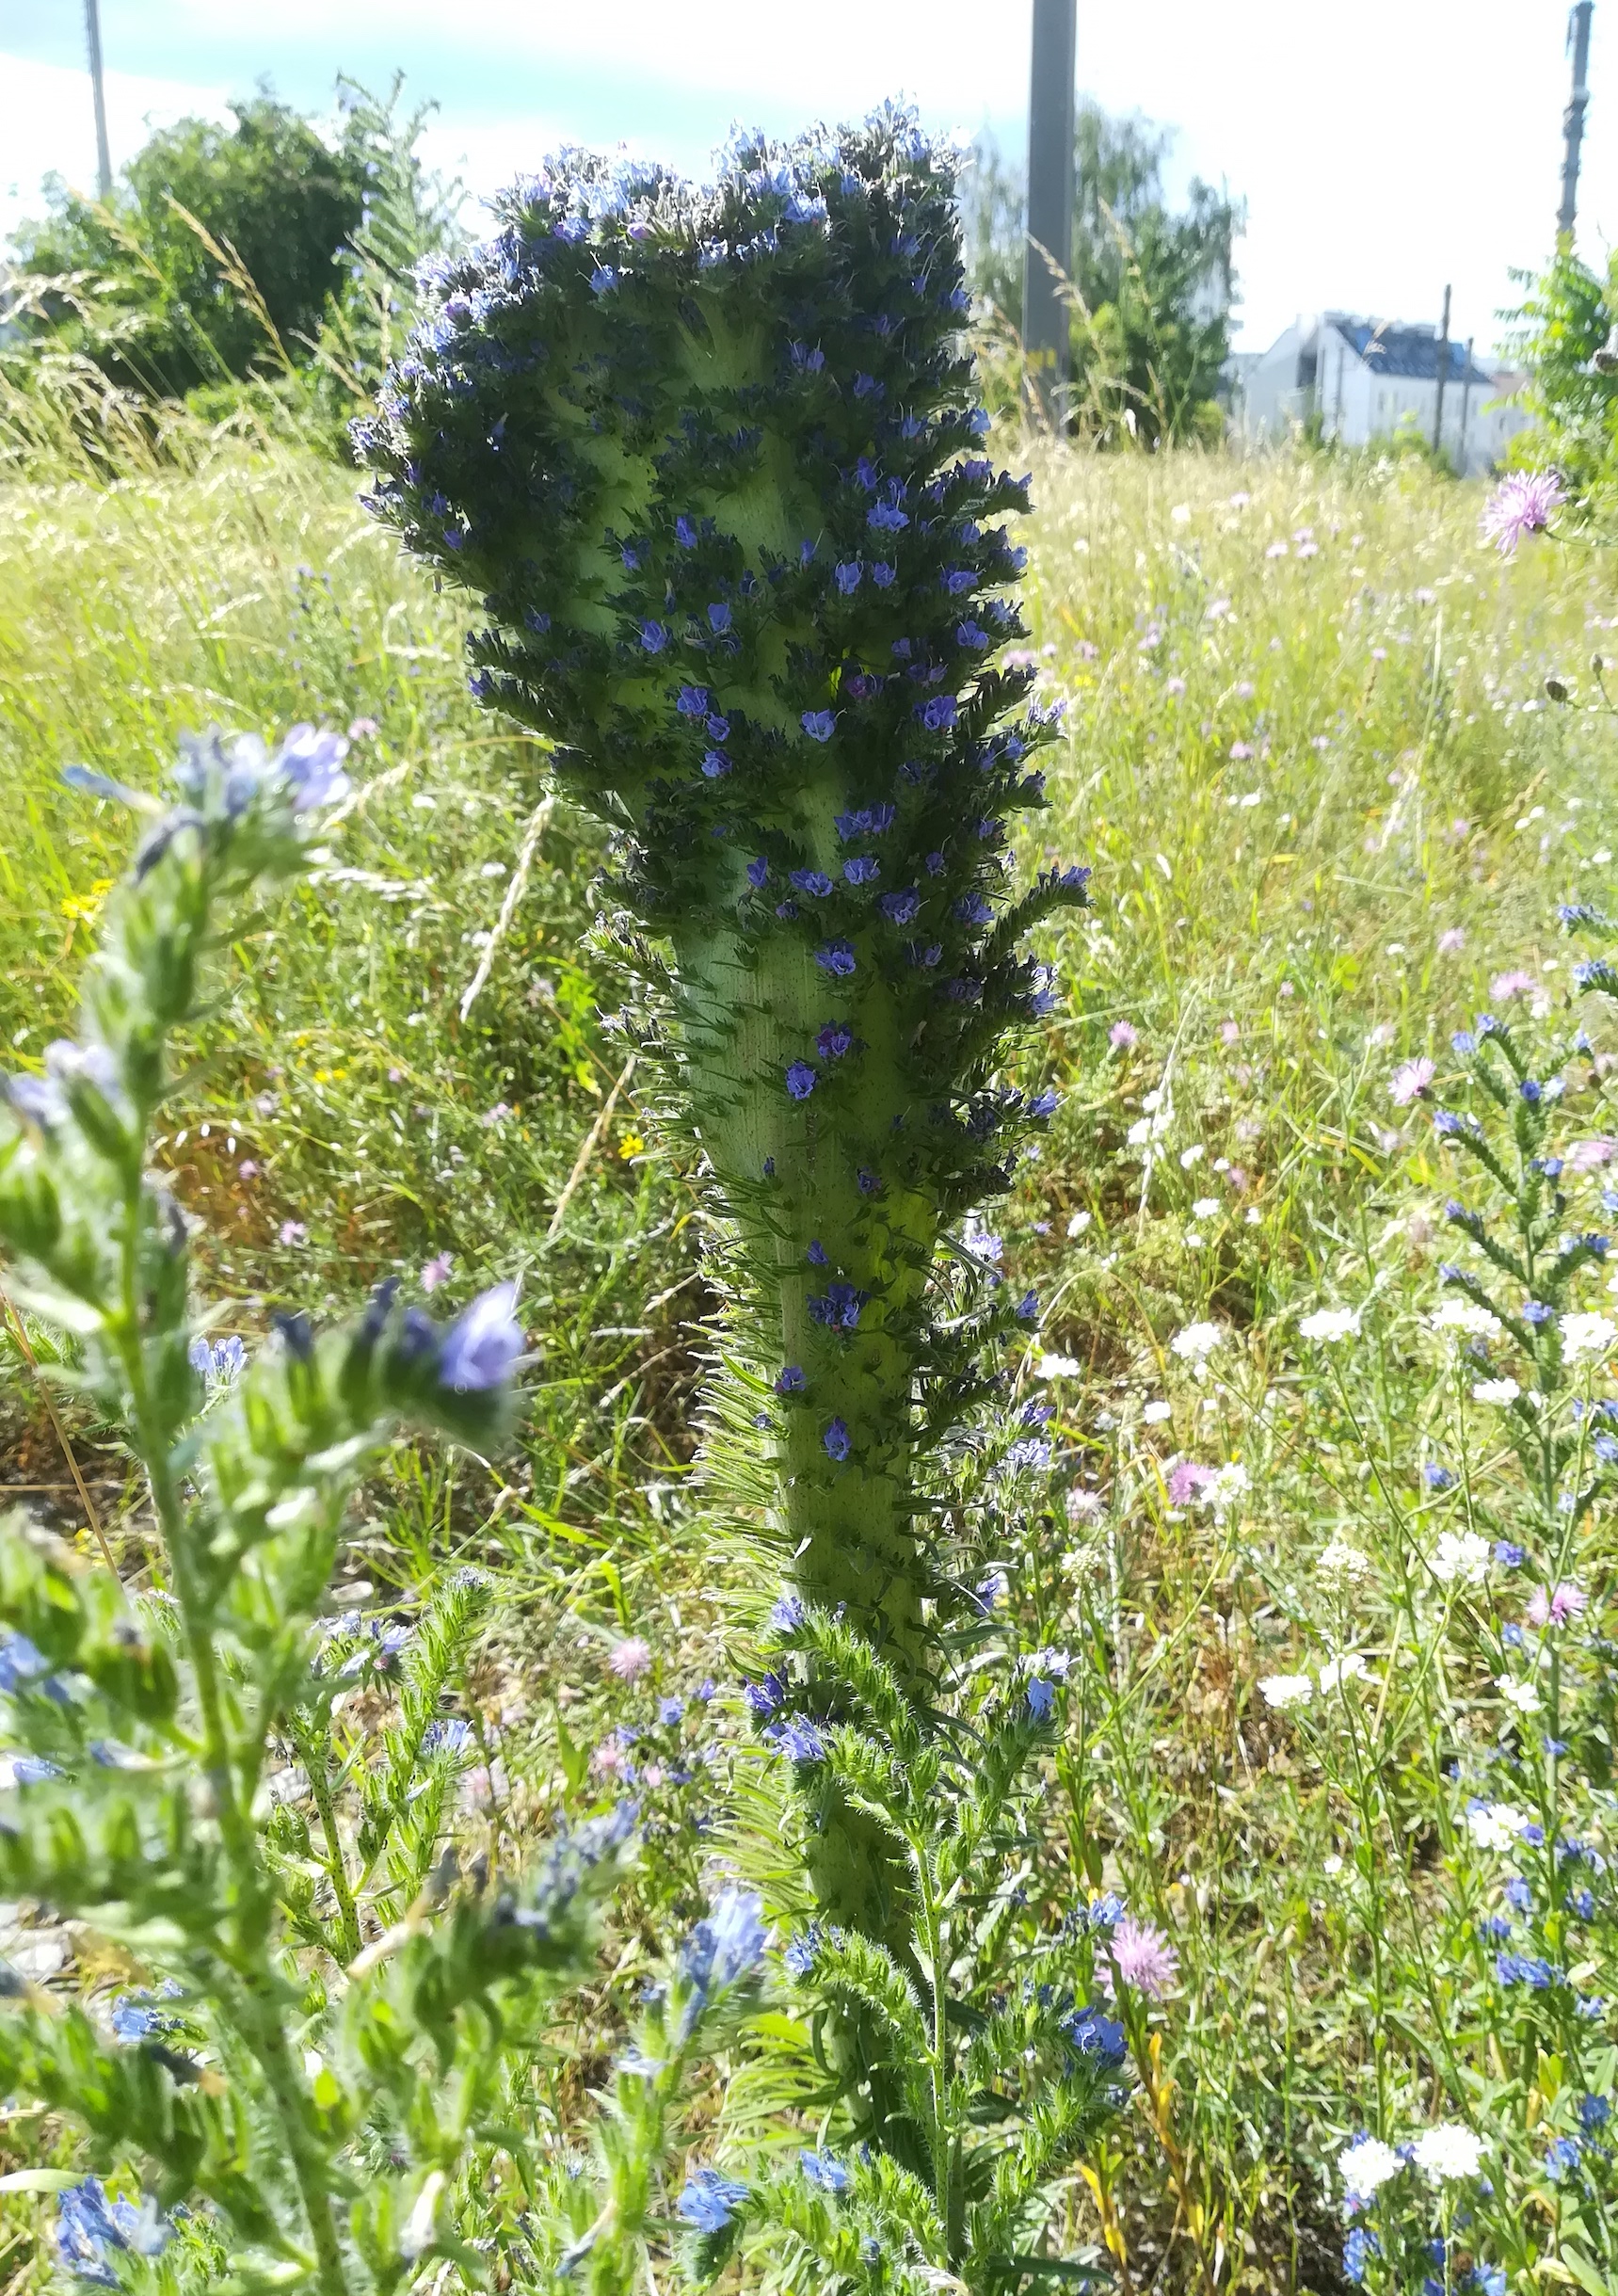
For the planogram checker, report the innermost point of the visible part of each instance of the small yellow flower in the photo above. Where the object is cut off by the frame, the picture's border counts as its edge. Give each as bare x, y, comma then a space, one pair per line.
631, 1145
84, 908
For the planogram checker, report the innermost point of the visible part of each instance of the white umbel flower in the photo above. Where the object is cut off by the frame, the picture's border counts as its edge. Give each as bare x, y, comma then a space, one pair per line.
1284, 1689
1195, 1342
1496, 1825
1465, 1317
1501, 1392
1523, 1696
1341, 1564
1586, 1335
1463, 1556
1367, 2166
1351, 1667
1328, 1325
1448, 2151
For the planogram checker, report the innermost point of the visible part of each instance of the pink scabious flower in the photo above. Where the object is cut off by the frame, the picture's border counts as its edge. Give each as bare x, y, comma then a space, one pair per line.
1142, 1958
1409, 1080
1187, 1481
629, 1659
1240, 750
1522, 504
1122, 1036
1451, 941
1554, 1606
436, 1271
1508, 985
1589, 1155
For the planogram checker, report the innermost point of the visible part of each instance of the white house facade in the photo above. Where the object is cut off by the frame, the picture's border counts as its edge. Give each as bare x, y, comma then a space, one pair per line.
1365, 379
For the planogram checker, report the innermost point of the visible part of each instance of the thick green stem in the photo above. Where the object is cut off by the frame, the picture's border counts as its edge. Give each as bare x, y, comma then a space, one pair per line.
252, 1913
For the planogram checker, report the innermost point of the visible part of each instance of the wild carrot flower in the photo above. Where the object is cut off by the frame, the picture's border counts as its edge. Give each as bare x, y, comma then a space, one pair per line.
1460, 1556
1284, 1689
1524, 503
1447, 2152
1327, 1325
1501, 1392
1366, 2165
1586, 1335
1142, 1958
1195, 1342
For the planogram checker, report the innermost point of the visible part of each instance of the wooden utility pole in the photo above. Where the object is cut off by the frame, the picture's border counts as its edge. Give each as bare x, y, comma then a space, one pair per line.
1466, 404
1443, 377
1573, 119
103, 152
1048, 257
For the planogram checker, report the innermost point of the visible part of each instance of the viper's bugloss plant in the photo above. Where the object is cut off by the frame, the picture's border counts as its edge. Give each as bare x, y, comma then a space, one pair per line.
323, 2062
711, 459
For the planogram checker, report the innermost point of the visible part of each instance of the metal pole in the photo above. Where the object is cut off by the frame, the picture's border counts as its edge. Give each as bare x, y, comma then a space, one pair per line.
1045, 315
1466, 403
103, 152
1573, 119
1443, 377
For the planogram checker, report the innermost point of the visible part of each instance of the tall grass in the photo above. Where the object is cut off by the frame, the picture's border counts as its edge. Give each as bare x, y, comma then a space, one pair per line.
1309, 757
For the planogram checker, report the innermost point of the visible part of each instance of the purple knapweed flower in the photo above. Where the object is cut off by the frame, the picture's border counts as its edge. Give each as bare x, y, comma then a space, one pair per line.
1522, 504
1409, 1080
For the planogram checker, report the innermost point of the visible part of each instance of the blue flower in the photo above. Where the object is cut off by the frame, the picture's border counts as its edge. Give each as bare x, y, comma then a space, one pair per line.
836, 958
1044, 1104
939, 712
709, 2201
823, 2169
1562, 2157
815, 882
1358, 2249
1524, 1969
1027, 1309
1508, 1553
133, 2020
764, 1697
801, 1953
719, 618
886, 518
451, 1736
882, 574
603, 278
790, 1380
863, 869
20, 1664
1489, 2279
670, 1710
720, 1951
716, 764
484, 1345
654, 636
900, 908
974, 910
693, 702
788, 1614
801, 1080
89, 2228
1095, 2034
820, 725
836, 1440
834, 1041
798, 1740
815, 1253
1593, 2114
1535, 1312
1435, 1477
1041, 1700
847, 574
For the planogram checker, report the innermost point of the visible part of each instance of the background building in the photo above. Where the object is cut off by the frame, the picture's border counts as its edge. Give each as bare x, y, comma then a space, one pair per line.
1364, 380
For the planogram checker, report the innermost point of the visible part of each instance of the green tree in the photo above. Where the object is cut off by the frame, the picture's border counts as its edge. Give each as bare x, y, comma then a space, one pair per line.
1153, 289
217, 256
1562, 330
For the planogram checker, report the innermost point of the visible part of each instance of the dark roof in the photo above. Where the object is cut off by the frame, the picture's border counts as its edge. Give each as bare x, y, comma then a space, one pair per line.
1407, 351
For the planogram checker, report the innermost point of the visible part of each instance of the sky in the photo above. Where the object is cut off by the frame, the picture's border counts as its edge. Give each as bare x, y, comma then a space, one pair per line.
1382, 151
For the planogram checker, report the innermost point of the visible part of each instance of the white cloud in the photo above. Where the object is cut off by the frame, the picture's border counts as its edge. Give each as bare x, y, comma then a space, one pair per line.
50, 127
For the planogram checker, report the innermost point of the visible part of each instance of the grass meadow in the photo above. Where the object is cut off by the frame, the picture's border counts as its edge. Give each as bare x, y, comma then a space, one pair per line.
1309, 756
